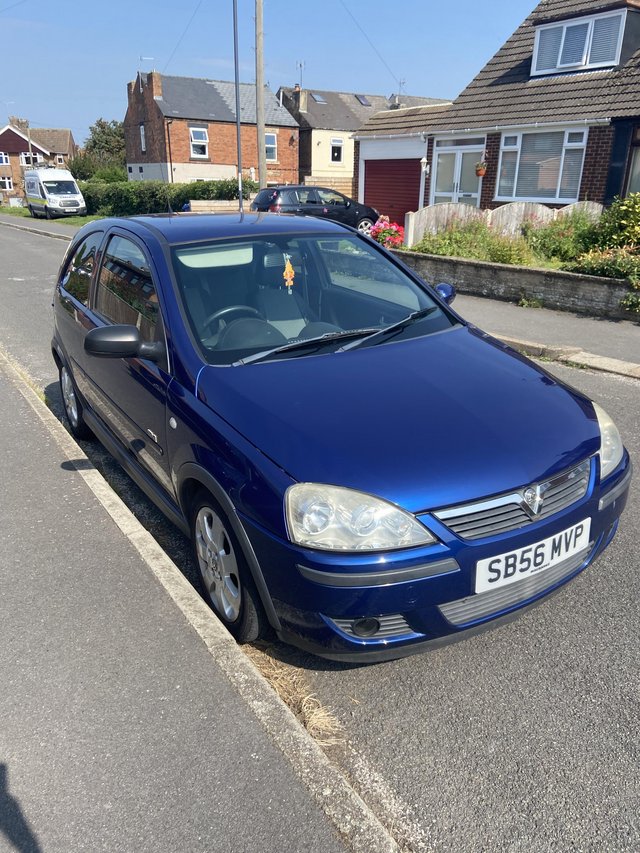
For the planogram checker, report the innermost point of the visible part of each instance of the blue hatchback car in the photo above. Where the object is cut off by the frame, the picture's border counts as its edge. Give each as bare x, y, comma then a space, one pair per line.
358, 468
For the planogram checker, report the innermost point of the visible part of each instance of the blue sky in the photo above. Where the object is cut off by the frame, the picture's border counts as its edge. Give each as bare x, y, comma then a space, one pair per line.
67, 63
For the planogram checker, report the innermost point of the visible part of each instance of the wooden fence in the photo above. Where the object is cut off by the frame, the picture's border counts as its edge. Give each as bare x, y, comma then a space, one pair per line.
507, 219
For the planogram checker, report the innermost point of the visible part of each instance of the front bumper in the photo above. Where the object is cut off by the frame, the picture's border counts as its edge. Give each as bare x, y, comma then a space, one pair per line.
424, 596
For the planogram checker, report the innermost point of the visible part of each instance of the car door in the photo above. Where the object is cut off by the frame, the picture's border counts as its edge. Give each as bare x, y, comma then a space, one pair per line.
308, 202
335, 206
129, 394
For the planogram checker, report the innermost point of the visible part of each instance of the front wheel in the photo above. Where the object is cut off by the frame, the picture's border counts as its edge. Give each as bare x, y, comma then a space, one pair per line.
72, 406
224, 576
47, 213
365, 226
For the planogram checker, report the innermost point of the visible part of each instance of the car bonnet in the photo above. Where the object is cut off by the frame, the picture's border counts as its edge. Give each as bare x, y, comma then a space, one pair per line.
425, 422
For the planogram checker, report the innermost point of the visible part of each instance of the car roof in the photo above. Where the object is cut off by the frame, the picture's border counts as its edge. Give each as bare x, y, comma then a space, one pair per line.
187, 227
280, 187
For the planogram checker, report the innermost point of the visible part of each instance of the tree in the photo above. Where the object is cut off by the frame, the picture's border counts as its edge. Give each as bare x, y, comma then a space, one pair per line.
106, 143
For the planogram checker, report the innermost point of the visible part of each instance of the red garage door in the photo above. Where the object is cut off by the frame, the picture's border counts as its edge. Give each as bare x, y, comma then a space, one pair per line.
392, 187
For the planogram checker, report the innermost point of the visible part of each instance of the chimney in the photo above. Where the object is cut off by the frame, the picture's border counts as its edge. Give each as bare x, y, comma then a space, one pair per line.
21, 123
154, 81
299, 99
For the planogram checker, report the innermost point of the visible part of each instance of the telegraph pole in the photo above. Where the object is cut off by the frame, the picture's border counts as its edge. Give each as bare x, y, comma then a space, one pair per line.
262, 153
238, 125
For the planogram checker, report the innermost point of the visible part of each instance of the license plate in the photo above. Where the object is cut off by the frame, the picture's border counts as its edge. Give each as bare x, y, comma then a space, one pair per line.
514, 565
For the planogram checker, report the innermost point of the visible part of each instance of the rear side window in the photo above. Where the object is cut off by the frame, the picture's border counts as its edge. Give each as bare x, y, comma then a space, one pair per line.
125, 291
266, 197
77, 276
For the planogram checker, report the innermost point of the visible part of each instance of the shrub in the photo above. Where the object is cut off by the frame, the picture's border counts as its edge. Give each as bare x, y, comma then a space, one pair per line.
620, 224
129, 198
476, 240
564, 239
615, 262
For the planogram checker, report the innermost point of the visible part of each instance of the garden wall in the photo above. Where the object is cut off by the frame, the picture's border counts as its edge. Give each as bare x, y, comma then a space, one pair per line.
565, 291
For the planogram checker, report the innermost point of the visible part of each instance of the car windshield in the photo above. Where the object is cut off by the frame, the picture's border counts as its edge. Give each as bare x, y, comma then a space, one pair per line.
61, 187
296, 295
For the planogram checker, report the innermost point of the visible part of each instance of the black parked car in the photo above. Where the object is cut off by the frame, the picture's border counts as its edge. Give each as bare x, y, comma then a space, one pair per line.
316, 201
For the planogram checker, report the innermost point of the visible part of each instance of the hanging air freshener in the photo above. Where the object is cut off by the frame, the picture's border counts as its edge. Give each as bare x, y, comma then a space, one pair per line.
288, 274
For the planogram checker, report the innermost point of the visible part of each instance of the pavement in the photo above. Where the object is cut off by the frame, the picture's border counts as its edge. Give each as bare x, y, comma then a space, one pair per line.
130, 718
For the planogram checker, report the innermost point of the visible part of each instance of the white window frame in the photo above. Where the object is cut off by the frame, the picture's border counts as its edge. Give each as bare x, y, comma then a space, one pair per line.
4, 159
35, 158
8, 181
204, 141
516, 145
337, 142
143, 140
60, 159
585, 64
268, 145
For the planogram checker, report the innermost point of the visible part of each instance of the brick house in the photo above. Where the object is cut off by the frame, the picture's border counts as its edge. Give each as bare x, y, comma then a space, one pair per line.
555, 114
327, 123
183, 129
22, 147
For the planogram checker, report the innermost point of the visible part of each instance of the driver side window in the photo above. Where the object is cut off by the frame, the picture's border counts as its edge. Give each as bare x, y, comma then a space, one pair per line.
125, 291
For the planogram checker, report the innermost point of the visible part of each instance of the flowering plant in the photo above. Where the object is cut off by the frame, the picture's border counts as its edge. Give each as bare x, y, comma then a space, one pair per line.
389, 234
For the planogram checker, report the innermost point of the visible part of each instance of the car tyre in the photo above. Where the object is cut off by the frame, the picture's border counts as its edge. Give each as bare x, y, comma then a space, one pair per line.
365, 226
32, 212
47, 213
72, 406
225, 580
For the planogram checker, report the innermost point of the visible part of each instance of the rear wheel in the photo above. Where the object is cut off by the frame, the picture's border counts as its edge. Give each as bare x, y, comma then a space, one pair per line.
72, 406
31, 211
224, 575
365, 225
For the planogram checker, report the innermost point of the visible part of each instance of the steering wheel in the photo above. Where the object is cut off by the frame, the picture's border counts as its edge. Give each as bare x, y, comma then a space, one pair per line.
230, 311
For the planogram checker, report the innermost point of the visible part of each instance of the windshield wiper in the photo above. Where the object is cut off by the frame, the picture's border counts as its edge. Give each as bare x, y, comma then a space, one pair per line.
306, 343
379, 334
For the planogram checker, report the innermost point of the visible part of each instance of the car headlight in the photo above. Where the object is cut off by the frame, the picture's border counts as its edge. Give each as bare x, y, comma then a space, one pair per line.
332, 518
611, 447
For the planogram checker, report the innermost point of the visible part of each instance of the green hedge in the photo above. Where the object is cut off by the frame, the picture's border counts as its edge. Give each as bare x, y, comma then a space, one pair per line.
130, 198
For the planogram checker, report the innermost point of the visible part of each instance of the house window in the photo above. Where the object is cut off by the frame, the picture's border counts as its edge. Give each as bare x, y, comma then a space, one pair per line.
581, 43
271, 146
60, 159
33, 159
199, 137
544, 166
6, 183
143, 141
336, 150
4, 159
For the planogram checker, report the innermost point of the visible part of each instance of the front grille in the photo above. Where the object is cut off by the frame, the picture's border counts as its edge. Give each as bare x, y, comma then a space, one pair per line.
511, 511
484, 604
390, 626
69, 203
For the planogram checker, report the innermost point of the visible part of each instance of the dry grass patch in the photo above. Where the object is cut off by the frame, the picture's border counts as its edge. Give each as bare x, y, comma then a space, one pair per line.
291, 686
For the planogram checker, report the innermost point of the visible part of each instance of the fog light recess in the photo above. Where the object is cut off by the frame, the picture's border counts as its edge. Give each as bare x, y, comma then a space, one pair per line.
366, 627
374, 627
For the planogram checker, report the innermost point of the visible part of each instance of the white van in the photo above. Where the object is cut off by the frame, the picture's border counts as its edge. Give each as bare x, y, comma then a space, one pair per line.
53, 192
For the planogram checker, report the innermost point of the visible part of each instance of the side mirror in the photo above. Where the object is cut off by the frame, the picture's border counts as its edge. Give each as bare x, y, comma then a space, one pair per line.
347, 203
121, 341
445, 291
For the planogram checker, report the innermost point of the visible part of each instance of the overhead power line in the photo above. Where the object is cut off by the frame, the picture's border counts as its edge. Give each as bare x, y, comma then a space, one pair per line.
373, 47
184, 32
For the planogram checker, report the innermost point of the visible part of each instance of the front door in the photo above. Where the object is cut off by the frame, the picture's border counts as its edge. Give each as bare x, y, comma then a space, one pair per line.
129, 394
455, 178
